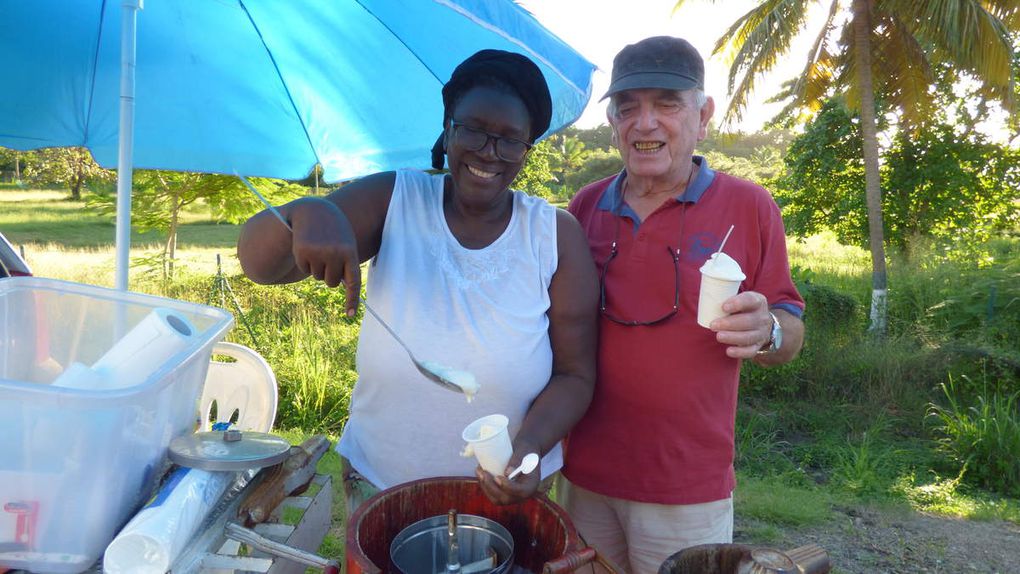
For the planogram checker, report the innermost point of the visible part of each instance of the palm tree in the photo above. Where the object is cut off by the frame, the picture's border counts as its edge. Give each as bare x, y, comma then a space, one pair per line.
869, 48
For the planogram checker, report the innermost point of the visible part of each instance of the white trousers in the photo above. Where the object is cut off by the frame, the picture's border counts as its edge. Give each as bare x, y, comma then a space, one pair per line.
639, 536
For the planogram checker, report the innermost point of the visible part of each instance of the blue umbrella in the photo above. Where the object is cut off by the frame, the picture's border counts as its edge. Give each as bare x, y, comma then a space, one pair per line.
256, 87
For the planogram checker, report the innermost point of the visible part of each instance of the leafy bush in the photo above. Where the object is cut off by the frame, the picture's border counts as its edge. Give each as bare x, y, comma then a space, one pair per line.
830, 309
984, 437
861, 465
939, 494
840, 361
928, 175
758, 448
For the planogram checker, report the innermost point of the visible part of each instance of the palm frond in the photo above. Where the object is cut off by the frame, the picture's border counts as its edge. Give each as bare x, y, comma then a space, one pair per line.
814, 82
793, 112
971, 37
846, 70
901, 69
1006, 10
760, 37
731, 40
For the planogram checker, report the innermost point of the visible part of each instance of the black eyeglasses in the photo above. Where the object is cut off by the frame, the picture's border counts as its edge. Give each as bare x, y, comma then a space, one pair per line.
675, 255
473, 139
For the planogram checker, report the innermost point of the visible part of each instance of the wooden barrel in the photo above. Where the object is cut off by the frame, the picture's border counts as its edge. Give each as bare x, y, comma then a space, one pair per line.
544, 538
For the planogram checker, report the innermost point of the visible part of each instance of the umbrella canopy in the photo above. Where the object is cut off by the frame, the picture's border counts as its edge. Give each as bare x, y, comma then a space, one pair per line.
255, 87
260, 87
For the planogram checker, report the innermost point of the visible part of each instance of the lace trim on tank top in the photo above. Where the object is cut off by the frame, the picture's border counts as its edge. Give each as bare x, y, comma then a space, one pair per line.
466, 269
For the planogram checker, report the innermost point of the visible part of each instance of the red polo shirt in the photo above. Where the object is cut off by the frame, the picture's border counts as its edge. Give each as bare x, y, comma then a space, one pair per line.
660, 426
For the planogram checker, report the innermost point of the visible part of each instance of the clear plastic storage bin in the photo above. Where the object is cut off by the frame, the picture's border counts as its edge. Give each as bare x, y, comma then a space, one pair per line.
94, 384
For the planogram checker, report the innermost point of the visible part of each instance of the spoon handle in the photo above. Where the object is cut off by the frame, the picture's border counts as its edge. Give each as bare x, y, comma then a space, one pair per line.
272, 208
387, 327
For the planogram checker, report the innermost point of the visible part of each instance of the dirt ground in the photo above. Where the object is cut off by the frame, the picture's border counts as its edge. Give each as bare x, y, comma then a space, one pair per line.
863, 540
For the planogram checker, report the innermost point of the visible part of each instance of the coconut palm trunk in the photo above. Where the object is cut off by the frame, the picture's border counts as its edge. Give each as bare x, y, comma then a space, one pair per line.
872, 185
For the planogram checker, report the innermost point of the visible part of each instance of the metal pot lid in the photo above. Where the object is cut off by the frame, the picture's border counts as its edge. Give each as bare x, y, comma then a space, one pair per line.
228, 450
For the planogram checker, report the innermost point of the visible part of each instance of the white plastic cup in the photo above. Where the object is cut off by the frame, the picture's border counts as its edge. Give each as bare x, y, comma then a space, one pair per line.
718, 283
489, 438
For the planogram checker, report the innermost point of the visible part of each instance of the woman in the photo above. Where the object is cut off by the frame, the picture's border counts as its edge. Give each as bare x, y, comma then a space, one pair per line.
470, 273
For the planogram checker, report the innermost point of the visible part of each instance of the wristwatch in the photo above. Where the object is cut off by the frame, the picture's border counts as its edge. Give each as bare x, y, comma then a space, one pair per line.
775, 339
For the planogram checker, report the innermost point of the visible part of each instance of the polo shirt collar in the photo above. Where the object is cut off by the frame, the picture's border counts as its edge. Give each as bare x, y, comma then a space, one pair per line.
610, 200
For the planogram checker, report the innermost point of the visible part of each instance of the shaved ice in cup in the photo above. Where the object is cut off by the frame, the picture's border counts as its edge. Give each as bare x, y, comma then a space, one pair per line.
720, 279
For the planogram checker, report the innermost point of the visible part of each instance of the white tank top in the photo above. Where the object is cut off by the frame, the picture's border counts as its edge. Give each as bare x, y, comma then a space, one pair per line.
476, 310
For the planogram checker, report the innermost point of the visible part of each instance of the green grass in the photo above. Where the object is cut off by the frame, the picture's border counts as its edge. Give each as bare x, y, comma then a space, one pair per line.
781, 504
48, 217
845, 268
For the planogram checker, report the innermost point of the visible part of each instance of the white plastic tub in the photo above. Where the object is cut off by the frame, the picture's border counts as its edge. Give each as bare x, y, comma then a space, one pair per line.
77, 460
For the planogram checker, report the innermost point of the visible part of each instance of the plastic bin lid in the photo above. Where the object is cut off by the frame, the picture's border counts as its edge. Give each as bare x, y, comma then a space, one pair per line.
228, 450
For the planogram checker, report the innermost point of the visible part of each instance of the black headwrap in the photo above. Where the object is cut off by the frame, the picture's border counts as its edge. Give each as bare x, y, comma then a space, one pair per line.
516, 71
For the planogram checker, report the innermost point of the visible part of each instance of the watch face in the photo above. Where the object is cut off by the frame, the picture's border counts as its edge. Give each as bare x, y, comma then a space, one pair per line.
777, 334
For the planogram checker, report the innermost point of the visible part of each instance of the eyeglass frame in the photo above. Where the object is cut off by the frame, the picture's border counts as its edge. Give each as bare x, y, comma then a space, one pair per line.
613, 251
675, 255
454, 125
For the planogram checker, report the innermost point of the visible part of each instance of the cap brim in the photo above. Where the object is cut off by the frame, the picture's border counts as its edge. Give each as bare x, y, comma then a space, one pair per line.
652, 80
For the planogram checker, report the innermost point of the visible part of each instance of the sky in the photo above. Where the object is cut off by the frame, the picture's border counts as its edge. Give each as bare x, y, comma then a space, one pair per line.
598, 29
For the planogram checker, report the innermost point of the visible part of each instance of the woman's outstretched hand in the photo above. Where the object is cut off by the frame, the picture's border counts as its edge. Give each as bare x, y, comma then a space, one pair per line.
324, 247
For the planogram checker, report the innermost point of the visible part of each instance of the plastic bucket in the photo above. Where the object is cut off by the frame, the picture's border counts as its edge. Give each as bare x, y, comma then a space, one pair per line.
544, 539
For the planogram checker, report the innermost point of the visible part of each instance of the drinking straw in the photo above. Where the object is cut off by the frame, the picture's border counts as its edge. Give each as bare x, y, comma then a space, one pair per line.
715, 260
723, 239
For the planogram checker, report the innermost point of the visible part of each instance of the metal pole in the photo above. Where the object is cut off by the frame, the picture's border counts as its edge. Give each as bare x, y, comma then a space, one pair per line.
126, 142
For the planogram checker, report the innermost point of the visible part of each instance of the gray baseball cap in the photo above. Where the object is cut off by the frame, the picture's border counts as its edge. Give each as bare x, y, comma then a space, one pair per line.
662, 62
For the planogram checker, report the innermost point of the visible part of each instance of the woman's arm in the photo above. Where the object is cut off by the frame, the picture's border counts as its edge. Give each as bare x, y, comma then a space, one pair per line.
331, 236
573, 325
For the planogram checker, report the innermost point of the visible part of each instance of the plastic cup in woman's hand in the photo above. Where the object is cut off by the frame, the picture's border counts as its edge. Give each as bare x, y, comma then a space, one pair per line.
489, 439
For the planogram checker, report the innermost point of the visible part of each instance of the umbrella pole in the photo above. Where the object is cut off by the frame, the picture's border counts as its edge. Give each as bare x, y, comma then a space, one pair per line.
126, 139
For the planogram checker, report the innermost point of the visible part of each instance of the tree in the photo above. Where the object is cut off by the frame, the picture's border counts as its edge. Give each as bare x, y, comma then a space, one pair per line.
159, 198
823, 187
536, 173
945, 187
14, 162
741, 144
72, 167
942, 182
597, 138
597, 165
886, 48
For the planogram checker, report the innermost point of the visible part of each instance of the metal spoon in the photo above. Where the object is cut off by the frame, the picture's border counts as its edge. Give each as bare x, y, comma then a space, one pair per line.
422, 368
528, 464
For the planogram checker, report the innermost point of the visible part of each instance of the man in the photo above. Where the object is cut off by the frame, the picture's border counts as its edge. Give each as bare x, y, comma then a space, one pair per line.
650, 465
